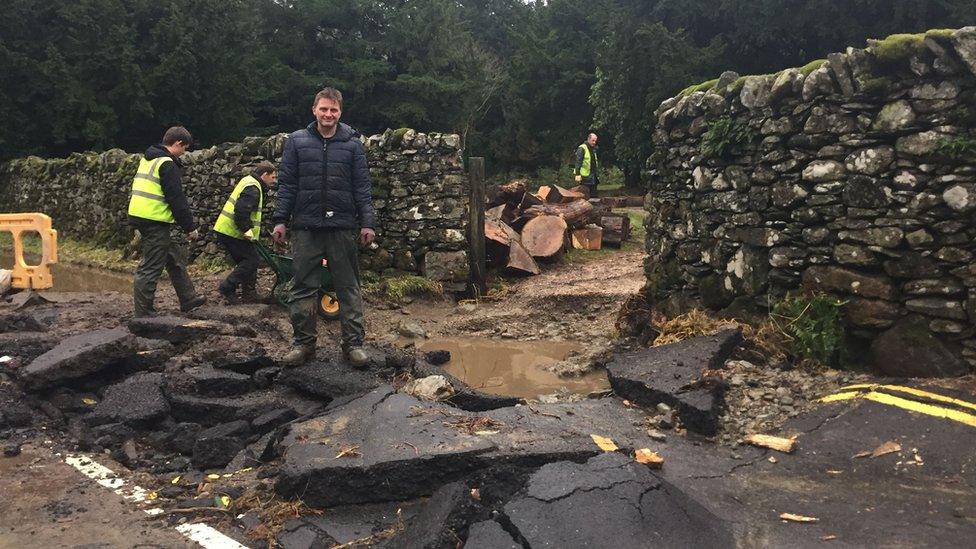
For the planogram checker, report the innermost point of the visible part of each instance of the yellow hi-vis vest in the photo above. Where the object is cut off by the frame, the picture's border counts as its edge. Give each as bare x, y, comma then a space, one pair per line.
147, 199
587, 161
225, 221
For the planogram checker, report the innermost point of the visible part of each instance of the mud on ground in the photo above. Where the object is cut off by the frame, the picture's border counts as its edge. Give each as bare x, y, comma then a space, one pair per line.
170, 402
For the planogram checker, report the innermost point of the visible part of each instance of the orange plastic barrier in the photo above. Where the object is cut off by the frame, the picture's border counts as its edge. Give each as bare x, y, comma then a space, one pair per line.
37, 277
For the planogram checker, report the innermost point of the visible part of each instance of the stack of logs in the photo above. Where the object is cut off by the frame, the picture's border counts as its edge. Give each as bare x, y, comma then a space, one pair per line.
521, 226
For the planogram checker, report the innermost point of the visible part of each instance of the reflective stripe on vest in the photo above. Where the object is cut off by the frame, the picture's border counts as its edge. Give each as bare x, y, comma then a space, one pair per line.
225, 221
587, 161
146, 199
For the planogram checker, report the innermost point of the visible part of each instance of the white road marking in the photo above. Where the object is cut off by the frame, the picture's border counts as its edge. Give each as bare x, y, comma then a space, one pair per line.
203, 534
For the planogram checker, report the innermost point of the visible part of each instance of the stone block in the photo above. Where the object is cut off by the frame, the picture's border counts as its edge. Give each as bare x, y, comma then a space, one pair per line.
910, 350
449, 266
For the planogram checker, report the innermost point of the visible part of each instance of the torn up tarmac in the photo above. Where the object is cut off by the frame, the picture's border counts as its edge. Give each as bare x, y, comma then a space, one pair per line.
191, 396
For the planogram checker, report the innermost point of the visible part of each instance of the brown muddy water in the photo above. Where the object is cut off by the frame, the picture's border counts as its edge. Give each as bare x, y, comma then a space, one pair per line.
76, 278
513, 368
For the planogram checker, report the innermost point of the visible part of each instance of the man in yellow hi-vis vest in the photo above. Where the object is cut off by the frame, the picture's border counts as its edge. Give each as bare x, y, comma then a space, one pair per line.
587, 165
156, 203
238, 224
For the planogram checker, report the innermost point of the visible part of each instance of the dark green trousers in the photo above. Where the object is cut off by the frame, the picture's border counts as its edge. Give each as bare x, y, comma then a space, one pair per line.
159, 252
341, 249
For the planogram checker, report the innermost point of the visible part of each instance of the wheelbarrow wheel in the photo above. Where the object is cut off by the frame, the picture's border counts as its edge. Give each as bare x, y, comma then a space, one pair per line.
328, 306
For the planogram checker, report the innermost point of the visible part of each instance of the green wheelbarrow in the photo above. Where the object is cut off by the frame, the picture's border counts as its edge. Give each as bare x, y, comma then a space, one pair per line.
328, 304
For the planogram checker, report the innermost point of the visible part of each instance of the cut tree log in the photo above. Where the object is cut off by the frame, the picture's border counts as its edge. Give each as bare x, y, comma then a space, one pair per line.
529, 200
544, 236
509, 193
554, 194
576, 213
505, 247
616, 229
588, 238
506, 213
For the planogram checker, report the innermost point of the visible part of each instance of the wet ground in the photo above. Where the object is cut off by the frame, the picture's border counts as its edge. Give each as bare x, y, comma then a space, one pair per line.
202, 396
77, 278
514, 368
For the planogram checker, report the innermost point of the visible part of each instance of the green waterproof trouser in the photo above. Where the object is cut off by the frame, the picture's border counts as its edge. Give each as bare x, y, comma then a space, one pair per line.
340, 247
159, 252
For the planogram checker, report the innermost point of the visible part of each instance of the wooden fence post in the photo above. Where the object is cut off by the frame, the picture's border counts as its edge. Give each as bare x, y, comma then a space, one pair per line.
476, 224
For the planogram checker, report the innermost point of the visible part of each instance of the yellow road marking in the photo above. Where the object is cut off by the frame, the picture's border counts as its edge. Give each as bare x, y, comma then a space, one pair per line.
905, 404
914, 391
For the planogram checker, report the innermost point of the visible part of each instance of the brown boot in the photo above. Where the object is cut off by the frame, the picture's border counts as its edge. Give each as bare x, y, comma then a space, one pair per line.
298, 355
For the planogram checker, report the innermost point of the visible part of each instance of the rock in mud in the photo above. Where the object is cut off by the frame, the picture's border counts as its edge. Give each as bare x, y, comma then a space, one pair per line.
672, 374
217, 446
11, 450
465, 397
79, 356
176, 329
610, 501
429, 388
438, 357
138, 400
441, 522
395, 447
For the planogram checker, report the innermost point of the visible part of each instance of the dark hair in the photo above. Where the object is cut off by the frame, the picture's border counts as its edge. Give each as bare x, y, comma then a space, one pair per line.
263, 168
177, 133
328, 93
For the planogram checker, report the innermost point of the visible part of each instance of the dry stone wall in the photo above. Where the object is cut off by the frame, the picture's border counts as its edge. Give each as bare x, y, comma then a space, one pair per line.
853, 176
419, 191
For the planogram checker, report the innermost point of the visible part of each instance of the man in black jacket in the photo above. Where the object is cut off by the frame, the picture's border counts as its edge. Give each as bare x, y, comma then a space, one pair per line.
238, 225
325, 192
157, 203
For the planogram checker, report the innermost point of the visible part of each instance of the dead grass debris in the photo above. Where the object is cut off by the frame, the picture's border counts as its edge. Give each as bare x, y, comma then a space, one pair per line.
474, 424
764, 342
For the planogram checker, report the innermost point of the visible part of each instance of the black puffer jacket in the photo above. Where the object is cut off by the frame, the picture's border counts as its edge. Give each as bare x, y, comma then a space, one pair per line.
324, 183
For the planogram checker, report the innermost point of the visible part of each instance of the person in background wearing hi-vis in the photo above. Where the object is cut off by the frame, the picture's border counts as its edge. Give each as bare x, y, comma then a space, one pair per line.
238, 224
157, 203
587, 166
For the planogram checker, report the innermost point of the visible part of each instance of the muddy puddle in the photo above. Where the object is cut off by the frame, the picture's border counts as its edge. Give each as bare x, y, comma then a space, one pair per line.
76, 278
513, 368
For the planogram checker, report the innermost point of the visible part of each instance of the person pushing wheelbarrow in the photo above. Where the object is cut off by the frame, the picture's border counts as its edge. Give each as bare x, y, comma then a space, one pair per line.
239, 226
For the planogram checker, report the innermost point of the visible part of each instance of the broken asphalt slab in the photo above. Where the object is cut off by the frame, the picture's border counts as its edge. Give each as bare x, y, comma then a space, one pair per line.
386, 446
177, 329
328, 380
673, 374
610, 500
139, 400
77, 357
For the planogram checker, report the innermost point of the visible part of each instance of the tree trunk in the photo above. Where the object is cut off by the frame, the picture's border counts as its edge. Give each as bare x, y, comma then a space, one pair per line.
616, 229
588, 238
576, 213
509, 193
544, 236
554, 194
